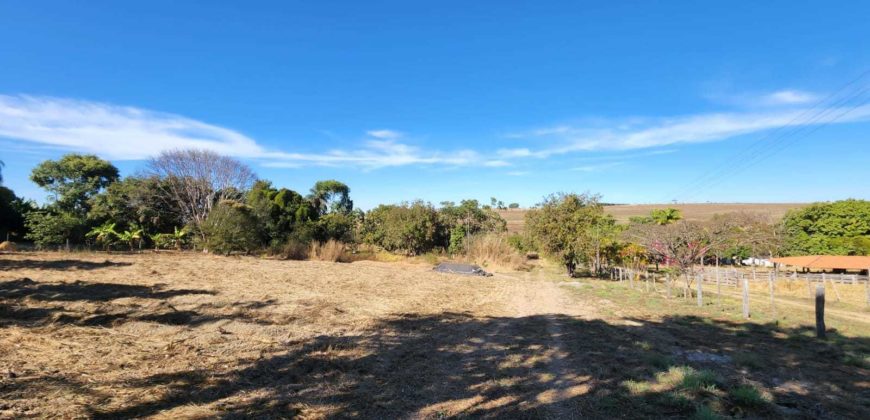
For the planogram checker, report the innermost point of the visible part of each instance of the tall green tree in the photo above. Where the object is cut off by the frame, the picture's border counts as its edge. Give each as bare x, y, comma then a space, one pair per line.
331, 196
13, 211
566, 227
73, 180
136, 202
835, 228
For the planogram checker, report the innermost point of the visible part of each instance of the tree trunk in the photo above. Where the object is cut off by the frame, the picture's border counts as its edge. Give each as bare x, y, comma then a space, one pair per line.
570, 267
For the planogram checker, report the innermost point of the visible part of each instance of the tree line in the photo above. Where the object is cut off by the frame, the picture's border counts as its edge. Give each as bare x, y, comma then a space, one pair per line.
199, 199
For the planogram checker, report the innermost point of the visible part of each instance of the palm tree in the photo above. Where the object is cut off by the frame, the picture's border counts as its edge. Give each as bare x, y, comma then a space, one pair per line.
104, 234
665, 216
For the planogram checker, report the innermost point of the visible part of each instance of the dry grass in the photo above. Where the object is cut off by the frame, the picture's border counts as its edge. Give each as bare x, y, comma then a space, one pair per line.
696, 212
182, 335
494, 251
7, 246
295, 250
332, 251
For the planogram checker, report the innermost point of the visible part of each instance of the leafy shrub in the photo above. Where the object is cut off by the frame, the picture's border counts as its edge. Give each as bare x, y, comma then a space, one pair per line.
334, 226
231, 226
47, 228
411, 229
457, 240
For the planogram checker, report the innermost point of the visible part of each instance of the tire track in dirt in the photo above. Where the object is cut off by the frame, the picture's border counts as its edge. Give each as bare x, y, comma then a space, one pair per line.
541, 296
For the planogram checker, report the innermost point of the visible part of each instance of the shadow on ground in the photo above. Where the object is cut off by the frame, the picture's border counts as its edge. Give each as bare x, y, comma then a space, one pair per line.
547, 366
35, 264
28, 303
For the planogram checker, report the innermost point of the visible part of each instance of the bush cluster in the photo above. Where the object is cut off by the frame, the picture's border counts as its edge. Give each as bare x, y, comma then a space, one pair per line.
418, 227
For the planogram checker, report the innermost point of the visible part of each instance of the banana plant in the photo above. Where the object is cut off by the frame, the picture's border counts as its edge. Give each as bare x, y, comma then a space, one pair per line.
178, 237
131, 236
104, 234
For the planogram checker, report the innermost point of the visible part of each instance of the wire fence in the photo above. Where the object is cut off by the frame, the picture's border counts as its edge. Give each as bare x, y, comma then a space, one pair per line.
851, 289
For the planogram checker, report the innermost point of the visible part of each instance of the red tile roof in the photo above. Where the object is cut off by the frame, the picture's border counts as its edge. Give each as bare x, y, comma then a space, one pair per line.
826, 261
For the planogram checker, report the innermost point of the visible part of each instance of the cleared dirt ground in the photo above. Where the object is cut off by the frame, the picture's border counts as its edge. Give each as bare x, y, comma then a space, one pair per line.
195, 336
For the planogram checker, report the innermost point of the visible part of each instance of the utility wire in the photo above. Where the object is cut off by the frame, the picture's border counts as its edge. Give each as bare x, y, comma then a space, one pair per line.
780, 143
799, 122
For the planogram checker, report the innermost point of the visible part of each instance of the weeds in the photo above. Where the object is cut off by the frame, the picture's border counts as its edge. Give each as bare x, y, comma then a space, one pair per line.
493, 250
747, 396
331, 250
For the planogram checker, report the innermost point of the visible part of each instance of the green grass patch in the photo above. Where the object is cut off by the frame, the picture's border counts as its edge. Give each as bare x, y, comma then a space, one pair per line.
747, 396
688, 379
704, 412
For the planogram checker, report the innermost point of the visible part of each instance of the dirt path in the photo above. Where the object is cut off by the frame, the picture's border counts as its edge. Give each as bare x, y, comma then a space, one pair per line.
539, 295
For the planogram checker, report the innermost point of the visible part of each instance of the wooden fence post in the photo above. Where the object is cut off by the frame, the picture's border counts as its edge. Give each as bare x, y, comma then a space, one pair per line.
668, 284
771, 279
745, 282
820, 311
700, 280
718, 285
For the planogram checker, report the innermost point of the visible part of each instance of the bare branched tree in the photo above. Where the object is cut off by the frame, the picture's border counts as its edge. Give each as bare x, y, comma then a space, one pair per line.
196, 180
754, 231
682, 244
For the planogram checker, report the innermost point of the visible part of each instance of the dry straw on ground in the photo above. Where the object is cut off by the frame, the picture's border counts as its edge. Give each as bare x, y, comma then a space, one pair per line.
199, 336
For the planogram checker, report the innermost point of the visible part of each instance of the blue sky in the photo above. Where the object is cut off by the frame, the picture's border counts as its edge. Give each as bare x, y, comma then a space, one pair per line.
639, 101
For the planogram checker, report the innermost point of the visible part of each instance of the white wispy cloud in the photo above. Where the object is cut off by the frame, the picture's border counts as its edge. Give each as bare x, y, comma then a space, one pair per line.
130, 133
652, 133
384, 134
768, 99
789, 97
116, 132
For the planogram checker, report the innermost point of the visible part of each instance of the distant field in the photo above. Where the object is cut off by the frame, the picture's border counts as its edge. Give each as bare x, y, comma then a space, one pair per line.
698, 212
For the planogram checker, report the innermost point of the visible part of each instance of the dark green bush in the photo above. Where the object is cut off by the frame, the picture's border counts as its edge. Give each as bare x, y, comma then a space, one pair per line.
409, 228
231, 226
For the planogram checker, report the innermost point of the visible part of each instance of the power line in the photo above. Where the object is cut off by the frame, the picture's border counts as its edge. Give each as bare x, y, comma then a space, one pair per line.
751, 154
760, 143
777, 145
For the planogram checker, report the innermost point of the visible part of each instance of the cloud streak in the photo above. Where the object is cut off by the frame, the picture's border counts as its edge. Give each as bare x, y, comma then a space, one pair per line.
636, 134
129, 133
